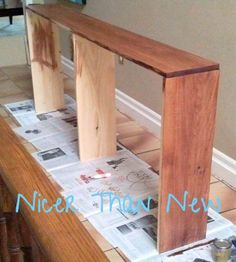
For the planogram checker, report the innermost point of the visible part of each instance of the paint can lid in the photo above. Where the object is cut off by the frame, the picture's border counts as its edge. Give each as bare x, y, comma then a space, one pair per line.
222, 243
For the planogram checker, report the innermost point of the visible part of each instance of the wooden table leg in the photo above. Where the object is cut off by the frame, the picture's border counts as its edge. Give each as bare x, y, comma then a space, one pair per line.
14, 247
95, 93
36, 252
4, 255
14, 253
26, 240
187, 140
45, 63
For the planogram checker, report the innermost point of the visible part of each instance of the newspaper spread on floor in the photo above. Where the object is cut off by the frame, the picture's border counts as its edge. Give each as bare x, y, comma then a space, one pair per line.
125, 186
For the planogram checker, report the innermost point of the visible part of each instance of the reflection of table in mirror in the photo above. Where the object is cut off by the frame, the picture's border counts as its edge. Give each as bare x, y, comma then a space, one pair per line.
10, 8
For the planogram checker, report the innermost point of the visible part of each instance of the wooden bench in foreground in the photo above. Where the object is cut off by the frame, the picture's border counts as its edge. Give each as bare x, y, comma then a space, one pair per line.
61, 236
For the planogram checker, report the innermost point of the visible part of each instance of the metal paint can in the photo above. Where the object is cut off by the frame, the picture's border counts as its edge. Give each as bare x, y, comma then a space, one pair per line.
221, 250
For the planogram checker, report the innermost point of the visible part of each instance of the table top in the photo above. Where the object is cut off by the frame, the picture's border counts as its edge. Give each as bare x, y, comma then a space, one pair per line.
161, 58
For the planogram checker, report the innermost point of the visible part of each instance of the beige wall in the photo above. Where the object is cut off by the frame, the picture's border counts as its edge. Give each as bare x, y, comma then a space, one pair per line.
205, 27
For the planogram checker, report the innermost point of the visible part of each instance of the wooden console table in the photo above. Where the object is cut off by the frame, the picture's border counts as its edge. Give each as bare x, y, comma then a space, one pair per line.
190, 85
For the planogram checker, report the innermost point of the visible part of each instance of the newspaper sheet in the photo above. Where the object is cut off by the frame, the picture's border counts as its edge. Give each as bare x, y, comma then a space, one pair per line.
27, 119
58, 157
136, 238
27, 106
32, 118
87, 190
110, 219
42, 129
216, 222
55, 140
22, 107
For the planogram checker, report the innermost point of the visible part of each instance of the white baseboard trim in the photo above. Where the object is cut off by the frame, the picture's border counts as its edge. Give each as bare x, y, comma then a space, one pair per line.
223, 167
137, 111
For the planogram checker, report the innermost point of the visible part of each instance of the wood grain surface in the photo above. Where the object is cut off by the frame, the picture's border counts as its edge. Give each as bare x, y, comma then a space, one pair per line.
61, 236
163, 59
187, 142
95, 95
45, 63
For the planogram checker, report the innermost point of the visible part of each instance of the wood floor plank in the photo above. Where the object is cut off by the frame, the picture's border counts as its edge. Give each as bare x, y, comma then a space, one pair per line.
226, 195
152, 158
69, 83
128, 129
230, 215
17, 72
69, 87
141, 143
7, 88
121, 118
24, 84
13, 98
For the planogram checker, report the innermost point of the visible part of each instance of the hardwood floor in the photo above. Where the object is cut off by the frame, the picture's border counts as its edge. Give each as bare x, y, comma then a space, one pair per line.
16, 85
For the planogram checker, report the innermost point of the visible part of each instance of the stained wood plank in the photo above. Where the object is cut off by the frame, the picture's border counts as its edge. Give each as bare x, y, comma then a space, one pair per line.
95, 92
67, 239
187, 142
45, 63
163, 59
